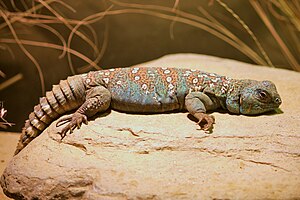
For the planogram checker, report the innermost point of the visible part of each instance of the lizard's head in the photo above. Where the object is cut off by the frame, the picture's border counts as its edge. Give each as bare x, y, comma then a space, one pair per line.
253, 97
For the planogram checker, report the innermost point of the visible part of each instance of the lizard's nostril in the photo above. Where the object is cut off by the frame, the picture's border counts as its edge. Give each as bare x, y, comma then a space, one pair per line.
278, 100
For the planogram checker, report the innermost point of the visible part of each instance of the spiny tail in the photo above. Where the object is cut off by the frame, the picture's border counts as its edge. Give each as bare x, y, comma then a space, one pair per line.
66, 96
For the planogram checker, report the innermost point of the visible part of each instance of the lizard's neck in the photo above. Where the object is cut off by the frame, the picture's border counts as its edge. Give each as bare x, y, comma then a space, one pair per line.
234, 92
233, 96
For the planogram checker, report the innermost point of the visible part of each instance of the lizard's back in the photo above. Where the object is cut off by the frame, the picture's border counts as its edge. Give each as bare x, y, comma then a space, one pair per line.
143, 89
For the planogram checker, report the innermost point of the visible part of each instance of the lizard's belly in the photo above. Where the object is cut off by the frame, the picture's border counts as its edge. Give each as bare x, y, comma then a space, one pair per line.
151, 102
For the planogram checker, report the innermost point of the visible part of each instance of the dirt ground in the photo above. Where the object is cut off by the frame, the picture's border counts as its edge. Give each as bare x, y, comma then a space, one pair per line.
8, 142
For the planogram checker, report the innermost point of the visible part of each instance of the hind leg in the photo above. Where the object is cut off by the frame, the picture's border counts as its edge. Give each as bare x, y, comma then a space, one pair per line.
97, 100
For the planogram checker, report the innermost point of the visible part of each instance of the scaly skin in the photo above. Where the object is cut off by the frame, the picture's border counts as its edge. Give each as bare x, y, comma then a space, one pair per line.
147, 90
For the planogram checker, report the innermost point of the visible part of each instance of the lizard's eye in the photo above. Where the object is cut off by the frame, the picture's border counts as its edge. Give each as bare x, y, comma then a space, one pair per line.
262, 95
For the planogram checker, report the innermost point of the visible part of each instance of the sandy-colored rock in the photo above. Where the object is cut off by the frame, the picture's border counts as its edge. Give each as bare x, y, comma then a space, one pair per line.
8, 142
164, 156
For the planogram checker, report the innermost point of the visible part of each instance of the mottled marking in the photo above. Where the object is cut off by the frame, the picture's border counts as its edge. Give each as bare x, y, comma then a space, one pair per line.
144, 86
143, 78
106, 80
167, 71
135, 70
171, 86
169, 77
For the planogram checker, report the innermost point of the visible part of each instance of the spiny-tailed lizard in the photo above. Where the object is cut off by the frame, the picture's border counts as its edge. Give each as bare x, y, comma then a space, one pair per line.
147, 90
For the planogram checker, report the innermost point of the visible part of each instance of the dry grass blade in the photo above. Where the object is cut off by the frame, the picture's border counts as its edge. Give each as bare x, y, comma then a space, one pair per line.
100, 55
25, 50
289, 56
62, 3
196, 21
243, 47
176, 3
11, 81
291, 28
249, 31
68, 25
75, 29
7, 48
39, 18
290, 13
274, 12
24, 4
49, 45
12, 2
2, 5
30, 16
171, 29
58, 35
2, 74
23, 14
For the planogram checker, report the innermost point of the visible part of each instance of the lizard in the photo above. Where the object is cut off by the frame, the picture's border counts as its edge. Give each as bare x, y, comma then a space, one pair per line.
147, 90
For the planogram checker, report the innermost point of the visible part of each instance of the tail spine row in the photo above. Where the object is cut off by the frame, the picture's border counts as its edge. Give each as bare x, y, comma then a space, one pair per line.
67, 95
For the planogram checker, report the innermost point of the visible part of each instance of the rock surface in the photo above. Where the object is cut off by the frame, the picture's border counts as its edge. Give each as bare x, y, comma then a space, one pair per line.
163, 156
8, 143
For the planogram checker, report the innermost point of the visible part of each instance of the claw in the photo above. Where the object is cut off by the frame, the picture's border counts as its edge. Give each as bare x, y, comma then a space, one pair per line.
73, 121
205, 121
63, 120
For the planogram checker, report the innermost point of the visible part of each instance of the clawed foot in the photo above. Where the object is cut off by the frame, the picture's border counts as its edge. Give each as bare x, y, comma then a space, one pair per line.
205, 121
73, 121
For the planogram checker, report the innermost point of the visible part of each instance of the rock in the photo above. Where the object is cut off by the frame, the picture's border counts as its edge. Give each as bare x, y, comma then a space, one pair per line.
164, 156
8, 141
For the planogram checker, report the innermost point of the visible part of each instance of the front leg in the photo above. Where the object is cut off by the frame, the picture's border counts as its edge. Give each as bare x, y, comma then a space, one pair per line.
97, 100
197, 103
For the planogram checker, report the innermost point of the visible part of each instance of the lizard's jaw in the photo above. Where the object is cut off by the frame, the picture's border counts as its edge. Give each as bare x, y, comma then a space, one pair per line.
252, 107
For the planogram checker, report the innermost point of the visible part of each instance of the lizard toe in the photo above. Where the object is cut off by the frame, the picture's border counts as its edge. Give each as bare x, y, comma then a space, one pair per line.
205, 121
63, 120
73, 121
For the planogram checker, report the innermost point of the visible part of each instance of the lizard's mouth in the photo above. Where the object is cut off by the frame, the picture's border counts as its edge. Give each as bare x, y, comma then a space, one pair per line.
240, 104
247, 108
